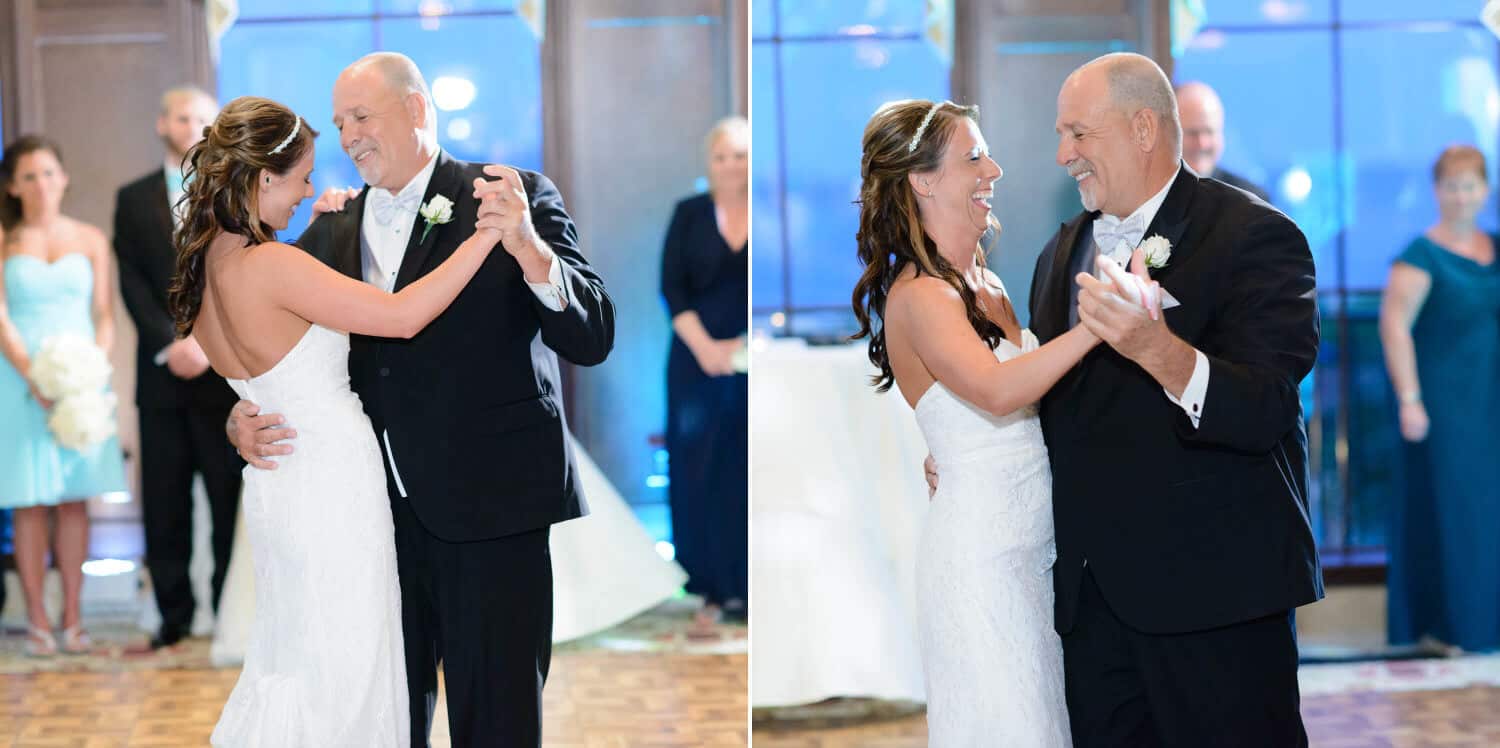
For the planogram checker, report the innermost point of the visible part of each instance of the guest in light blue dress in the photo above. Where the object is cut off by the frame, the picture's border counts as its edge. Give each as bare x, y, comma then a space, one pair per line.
54, 278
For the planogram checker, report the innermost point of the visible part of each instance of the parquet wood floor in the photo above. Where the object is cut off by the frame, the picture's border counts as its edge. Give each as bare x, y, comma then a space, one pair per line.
593, 700
1467, 718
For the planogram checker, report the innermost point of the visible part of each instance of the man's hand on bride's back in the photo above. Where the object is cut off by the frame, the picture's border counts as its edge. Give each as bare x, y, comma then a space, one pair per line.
332, 200
929, 466
257, 436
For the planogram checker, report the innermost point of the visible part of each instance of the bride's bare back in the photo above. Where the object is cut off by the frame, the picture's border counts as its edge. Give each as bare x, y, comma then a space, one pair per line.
258, 301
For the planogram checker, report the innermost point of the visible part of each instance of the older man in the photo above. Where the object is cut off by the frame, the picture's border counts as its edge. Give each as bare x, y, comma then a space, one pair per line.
1178, 451
1202, 115
469, 412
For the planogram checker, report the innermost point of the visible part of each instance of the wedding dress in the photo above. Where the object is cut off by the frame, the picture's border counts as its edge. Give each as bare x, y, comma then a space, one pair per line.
992, 660
325, 664
605, 570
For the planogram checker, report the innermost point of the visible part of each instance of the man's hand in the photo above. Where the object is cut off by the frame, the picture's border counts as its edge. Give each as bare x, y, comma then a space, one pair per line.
505, 198
1124, 310
256, 436
1136, 330
185, 359
332, 200
929, 466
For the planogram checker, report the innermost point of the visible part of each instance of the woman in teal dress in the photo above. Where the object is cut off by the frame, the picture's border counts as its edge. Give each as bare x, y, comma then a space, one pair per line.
1440, 326
54, 278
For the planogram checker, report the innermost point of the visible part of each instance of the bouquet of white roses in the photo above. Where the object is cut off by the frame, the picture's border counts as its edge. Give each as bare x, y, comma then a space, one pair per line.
83, 421
73, 372
69, 364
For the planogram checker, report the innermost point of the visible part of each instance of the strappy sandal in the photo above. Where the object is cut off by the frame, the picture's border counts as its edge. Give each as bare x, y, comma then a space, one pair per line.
76, 640
40, 642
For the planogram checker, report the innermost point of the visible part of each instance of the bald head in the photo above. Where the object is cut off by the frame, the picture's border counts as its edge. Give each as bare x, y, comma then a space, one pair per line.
1136, 82
1202, 126
387, 124
400, 75
1118, 132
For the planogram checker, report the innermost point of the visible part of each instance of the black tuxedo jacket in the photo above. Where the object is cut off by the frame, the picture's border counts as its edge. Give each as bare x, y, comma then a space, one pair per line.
1235, 180
473, 403
1189, 528
148, 260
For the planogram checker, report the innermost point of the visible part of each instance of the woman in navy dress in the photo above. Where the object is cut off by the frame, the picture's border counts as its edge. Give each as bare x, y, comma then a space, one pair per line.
705, 281
1440, 325
55, 278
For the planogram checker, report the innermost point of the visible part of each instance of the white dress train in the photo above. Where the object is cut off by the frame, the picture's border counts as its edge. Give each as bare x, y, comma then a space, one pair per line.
605, 569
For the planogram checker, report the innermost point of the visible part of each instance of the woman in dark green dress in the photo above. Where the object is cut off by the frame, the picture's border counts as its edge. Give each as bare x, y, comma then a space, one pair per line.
1440, 325
705, 279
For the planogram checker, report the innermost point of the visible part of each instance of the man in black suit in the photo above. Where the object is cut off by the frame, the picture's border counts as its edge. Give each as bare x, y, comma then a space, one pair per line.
1178, 451
182, 404
1202, 115
469, 411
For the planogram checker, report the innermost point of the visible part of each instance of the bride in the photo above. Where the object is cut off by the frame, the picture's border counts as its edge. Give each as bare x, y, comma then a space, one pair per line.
943, 330
325, 664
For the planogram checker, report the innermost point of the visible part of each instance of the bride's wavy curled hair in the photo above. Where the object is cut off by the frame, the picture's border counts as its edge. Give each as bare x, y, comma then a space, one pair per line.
890, 235
221, 194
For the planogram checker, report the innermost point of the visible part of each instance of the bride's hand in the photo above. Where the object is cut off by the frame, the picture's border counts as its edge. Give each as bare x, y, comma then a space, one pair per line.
489, 228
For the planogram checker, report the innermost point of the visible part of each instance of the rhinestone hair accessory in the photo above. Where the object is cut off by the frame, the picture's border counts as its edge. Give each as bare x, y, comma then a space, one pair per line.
295, 129
915, 139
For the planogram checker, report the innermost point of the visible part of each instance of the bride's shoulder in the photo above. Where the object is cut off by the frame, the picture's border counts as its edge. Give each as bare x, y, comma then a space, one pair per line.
274, 252
920, 291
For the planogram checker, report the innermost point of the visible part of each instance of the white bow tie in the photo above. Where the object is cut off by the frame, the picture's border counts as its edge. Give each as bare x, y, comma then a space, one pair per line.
1116, 238
387, 208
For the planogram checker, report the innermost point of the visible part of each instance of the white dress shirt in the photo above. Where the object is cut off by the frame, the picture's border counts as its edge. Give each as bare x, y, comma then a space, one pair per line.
1117, 239
382, 247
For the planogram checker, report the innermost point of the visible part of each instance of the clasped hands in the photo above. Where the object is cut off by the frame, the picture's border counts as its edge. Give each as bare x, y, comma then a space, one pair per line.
1123, 309
503, 207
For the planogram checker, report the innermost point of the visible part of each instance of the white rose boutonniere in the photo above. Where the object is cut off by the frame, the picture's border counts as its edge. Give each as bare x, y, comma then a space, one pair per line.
437, 211
1158, 251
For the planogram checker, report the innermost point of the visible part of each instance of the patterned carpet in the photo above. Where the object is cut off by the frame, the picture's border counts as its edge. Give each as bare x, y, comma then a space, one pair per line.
120, 646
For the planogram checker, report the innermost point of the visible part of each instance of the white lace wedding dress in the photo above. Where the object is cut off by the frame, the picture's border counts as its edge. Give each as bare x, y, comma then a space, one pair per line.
325, 665
992, 660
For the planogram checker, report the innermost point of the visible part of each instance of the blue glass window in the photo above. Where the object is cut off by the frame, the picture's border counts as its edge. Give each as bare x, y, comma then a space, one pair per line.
486, 112
285, 9
1449, 94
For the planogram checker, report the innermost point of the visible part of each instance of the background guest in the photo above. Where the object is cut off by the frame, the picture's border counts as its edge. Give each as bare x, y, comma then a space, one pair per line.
182, 404
56, 280
705, 281
1203, 136
1440, 325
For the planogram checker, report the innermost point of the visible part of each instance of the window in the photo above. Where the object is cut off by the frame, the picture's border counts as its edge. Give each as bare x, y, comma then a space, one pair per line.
820, 70
1375, 89
294, 49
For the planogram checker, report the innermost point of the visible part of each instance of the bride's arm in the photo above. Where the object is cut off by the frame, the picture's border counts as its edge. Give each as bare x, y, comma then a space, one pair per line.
306, 287
931, 315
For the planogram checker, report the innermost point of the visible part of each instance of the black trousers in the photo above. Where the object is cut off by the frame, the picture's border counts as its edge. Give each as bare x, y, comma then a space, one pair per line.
175, 444
483, 611
1232, 686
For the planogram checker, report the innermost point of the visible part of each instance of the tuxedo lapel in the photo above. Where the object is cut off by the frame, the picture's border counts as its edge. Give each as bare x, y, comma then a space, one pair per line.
1053, 309
1171, 219
447, 179
161, 211
347, 250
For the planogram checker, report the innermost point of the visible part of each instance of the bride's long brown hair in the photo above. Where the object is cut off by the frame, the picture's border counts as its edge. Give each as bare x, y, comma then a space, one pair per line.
890, 234
221, 193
